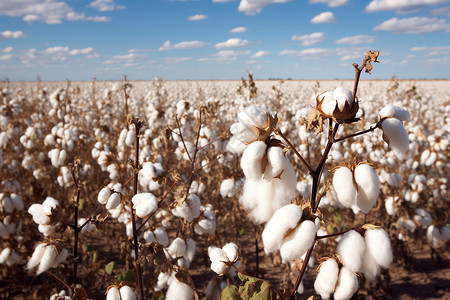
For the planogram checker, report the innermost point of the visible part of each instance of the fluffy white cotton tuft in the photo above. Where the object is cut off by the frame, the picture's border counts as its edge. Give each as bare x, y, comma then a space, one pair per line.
344, 186
144, 204
396, 136
103, 195
113, 294
251, 160
368, 187
347, 284
296, 245
326, 278
351, 249
127, 293
178, 290
394, 112
379, 246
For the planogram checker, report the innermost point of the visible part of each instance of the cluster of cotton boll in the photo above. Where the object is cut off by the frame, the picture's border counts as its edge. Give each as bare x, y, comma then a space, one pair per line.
47, 215
438, 236
62, 295
187, 208
356, 189
206, 223
57, 157
222, 259
124, 292
110, 196
150, 174
8, 228
287, 232
8, 256
11, 202
230, 186
182, 251
31, 137
159, 235
127, 138
46, 256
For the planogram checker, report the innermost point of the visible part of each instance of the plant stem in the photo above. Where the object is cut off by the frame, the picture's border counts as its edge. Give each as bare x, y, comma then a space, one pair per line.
302, 272
75, 226
278, 132
256, 252
370, 129
331, 235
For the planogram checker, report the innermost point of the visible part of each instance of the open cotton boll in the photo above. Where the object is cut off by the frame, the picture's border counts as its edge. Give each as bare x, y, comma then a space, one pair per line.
282, 220
368, 187
347, 284
177, 248
344, 186
127, 293
251, 160
295, 245
4, 255
434, 235
342, 95
62, 256
39, 216
370, 267
190, 252
228, 188
255, 116
231, 250
394, 112
17, 201
326, 278
113, 201
328, 103
161, 236
205, 226
242, 133
276, 162
216, 253
379, 246
218, 267
178, 290
47, 260
144, 204
395, 135
7, 205
351, 249
130, 138
422, 217
113, 294
407, 224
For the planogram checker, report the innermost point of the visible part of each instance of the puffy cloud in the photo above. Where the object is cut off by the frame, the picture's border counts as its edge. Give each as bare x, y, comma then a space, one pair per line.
197, 17
232, 43
8, 34
400, 6
88, 52
309, 39
260, 54
443, 11
319, 53
105, 5
176, 60
433, 51
7, 50
222, 1
414, 25
251, 7
46, 11
357, 39
239, 30
224, 56
325, 17
331, 3
182, 45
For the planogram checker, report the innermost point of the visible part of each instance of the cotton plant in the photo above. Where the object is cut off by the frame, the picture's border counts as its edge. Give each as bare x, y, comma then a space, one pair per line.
120, 292
223, 259
46, 256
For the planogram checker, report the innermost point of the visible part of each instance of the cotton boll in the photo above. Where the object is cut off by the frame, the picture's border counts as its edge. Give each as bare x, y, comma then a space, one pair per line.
295, 245
351, 249
368, 187
328, 103
407, 224
161, 236
228, 188
113, 294
17, 201
149, 236
344, 186
4, 255
216, 253
190, 252
127, 293
130, 138
113, 201
178, 290
47, 260
394, 112
396, 136
251, 160
177, 248
379, 246
276, 163
342, 95
347, 284
231, 250
205, 226
434, 235
326, 278
389, 204
218, 267
144, 204
282, 220
62, 256
39, 216
422, 217
7, 205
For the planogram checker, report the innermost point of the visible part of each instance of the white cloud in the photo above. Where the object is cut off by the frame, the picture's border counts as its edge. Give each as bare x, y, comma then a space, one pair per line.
46, 11
224, 56
232, 43
331, 3
105, 5
222, 1
182, 45
138, 50
433, 51
357, 39
252, 7
414, 25
8, 34
130, 56
325, 17
88, 52
400, 6
239, 30
176, 60
260, 54
309, 39
443, 11
197, 17
319, 53
7, 49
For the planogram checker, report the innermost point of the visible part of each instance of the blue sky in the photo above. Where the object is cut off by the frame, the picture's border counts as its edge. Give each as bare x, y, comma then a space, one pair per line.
222, 39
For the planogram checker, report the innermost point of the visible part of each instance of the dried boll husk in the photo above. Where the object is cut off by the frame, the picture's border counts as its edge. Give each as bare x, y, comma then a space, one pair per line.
127, 293
295, 245
351, 249
379, 246
282, 220
395, 135
347, 284
368, 187
344, 186
326, 278
179, 290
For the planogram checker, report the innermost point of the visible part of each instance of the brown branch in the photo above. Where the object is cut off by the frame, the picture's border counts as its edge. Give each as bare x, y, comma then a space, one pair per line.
278, 132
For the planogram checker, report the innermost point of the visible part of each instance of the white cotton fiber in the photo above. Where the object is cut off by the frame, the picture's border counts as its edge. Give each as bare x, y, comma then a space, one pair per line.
326, 278
131, 136
127, 293
295, 245
161, 236
178, 290
231, 250
205, 226
282, 220
216, 253
62, 256
113, 201
350, 249
243, 133
368, 187
144, 204
276, 162
4, 255
370, 267
218, 267
49, 204
342, 95
328, 103
422, 217
39, 216
397, 136
113, 294
251, 160
47, 260
227, 187
394, 112
347, 284
379, 245
103, 195
17, 201
344, 186
177, 248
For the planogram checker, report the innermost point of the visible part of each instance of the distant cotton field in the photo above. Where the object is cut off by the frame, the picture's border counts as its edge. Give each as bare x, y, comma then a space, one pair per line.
184, 189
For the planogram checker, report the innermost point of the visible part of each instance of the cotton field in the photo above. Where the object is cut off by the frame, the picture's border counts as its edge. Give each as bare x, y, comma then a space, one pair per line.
215, 189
